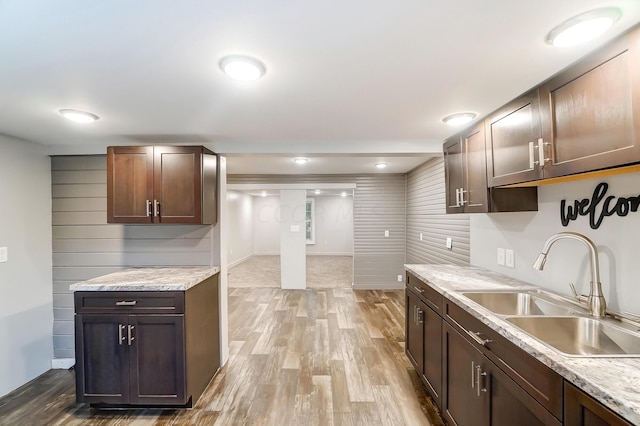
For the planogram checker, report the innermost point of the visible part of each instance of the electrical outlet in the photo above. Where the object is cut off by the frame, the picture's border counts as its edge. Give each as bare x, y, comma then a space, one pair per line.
4, 255
509, 258
399, 278
386, 233
449, 243
421, 236
500, 256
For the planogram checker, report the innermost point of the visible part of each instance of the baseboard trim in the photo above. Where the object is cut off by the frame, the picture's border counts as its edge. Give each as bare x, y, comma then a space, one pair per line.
62, 363
239, 261
330, 254
398, 286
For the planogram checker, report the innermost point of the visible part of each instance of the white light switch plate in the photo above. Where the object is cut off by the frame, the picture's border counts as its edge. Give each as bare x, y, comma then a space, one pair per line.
500, 256
295, 228
509, 258
399, 278
449, 243
4, 255
421, 236
386, 233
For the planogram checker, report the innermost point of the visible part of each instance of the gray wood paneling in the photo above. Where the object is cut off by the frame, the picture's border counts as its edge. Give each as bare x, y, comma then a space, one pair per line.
426, 215
85, 246
378, 204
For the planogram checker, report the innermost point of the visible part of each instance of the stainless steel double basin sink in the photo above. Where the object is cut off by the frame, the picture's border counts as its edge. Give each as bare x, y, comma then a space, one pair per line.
561, 325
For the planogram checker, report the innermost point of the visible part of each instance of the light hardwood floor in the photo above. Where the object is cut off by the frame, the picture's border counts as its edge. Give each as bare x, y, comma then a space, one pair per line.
305, 357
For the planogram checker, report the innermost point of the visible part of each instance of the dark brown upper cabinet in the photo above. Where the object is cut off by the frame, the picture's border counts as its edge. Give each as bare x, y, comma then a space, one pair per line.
591, 112
513, 136
466, 179
161, 184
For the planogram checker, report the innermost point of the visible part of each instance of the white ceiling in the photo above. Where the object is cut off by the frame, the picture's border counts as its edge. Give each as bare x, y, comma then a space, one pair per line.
343, 77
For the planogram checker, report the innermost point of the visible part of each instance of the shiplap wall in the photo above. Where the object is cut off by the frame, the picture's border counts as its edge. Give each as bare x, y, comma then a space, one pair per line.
85, 246
378, 205
426, 214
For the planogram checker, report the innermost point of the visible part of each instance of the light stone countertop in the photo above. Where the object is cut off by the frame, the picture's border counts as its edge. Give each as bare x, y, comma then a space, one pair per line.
148, 279
615, 382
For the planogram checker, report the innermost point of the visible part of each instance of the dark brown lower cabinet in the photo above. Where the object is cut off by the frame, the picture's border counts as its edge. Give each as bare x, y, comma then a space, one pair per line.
131, 359
582, 410
477, 392
146, 349
424, 343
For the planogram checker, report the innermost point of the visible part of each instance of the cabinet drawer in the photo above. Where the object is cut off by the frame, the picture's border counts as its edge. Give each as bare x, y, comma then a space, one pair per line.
430, 296
135, 302
538, 380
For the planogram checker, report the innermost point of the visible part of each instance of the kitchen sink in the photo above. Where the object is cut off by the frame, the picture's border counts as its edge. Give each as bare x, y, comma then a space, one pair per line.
581, 336
518, 303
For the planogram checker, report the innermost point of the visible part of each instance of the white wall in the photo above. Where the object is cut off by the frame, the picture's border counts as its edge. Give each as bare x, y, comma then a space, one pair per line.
293, 260
266, 225
241, 227
334, 226
26, 301
618, 241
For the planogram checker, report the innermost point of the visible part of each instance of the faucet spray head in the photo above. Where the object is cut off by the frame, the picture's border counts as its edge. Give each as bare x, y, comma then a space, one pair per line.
540, 261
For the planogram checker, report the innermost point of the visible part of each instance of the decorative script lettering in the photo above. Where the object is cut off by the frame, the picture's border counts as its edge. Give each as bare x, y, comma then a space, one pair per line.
598, 207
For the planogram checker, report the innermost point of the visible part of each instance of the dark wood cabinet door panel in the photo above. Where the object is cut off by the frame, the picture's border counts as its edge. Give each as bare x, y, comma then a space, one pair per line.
102, 363
432, 349
511, 134
462, 404
454, 174
129, 184
582, 410
157, 359
178, 184
414, 345
474, 196
591, 112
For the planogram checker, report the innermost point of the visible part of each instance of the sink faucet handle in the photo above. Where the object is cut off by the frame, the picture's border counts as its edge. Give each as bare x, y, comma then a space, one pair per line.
579, 297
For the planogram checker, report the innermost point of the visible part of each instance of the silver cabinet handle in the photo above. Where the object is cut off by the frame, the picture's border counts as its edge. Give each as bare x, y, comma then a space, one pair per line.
479, 373
156, 208
541, 158
473, 372
457, 197
148, 208
418, 289
476, 337
532, 161
127, 303
420, 317
120, 334
462, 192
130, 337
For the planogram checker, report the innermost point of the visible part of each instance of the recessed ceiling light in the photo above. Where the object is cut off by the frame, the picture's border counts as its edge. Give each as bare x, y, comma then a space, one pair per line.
343, 194
583, 27
381, 165
317, 191
78, 116
243, 68
300, 160
264, 193
459, 118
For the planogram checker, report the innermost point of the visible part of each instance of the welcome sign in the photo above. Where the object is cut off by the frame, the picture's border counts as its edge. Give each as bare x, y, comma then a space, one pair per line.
598, 207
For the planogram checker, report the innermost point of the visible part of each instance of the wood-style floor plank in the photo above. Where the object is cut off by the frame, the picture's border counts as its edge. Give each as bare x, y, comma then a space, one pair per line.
312, 357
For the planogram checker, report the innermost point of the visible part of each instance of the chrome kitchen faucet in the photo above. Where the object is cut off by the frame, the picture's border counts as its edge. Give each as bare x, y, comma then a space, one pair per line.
595, 300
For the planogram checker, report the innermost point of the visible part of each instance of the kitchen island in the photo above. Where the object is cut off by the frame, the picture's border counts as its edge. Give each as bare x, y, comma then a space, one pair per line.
146, 337
611, 382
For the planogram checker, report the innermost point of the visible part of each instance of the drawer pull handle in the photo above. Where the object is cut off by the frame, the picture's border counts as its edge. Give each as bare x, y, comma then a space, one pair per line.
148, 208
479, 374
418, 289
476, 337
127, 303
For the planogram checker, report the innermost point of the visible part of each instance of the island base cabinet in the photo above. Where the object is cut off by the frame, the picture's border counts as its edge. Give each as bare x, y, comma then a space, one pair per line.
582, 410
477, 392
130, 359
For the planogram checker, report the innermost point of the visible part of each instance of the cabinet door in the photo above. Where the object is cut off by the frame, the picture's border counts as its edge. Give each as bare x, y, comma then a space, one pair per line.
463, 404
178, 184
432, 349
129, 184
157, 373
474, 195
591, 112
509, 403
582, 410
512, 135
414, 332
102, 363
454, 174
